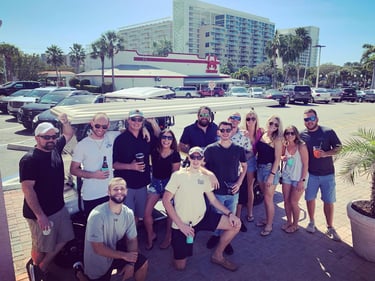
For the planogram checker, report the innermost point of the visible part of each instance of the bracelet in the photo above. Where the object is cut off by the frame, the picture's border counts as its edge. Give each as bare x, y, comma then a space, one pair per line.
272, 173
228, 214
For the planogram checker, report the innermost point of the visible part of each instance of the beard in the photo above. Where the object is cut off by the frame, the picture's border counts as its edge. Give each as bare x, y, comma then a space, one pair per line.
203, 122
50, 146
117, 200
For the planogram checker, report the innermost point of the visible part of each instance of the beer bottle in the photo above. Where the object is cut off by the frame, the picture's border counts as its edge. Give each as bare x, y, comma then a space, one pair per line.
105, 164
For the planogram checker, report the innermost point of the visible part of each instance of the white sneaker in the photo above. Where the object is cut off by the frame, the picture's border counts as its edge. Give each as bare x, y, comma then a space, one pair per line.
311, 227
331, 233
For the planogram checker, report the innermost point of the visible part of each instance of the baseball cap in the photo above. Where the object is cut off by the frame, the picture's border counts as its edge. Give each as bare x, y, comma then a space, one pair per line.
135, 113
196, 149
44, 127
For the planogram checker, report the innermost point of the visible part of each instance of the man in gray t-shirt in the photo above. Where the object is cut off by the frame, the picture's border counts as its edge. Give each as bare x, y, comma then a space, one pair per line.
111, 239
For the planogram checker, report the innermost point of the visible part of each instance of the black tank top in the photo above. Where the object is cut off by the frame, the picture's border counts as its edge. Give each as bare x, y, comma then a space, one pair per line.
266, 153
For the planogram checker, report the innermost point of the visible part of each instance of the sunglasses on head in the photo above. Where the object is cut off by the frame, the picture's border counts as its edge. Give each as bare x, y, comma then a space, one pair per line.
48, 137
202, 115
290, 134
98, 126
196, 157
311, 118
166, 137
274, 124
251, 119
225, 130
235, 117
136, 119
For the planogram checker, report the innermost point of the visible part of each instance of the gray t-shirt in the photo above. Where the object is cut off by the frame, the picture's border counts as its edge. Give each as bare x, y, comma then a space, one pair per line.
106, 227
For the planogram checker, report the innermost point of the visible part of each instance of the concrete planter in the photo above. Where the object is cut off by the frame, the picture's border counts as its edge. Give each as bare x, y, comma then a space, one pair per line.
363, 233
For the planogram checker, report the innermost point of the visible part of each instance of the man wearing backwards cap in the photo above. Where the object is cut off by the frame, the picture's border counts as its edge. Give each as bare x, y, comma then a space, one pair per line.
190, 215
135, 173
42, 181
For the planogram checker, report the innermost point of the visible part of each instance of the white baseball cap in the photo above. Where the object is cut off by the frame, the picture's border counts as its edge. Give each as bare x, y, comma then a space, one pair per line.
43, 128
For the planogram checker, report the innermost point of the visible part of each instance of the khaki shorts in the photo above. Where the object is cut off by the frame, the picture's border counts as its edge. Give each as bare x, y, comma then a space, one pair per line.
62, 231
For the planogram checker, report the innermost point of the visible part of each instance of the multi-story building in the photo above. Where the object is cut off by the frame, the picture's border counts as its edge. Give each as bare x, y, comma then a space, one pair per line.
309, 57
141, 37
207, 29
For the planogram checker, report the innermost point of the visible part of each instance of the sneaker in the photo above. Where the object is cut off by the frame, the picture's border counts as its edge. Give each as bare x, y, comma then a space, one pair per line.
243, 227
229, 250
331, 233
212, 242
30, 270
311, 227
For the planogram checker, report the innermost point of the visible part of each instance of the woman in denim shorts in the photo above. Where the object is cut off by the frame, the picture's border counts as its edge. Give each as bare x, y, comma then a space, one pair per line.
295, 158
269, 149
165, 160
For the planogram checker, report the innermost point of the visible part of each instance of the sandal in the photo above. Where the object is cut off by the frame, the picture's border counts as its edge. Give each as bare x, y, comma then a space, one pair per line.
292, 229
285, 226
250, 218
261, 223
266, 232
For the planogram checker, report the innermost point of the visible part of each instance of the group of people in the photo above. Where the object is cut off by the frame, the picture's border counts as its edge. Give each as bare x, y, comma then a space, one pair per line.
126, 173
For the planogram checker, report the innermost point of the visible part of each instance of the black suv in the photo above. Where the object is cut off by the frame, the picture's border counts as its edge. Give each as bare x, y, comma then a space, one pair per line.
300, 93
348, 94
11, 87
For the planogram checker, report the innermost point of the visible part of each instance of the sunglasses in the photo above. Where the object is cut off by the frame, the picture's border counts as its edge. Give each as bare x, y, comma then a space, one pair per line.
225, 130
289, 134
166, 137
47, 137
136, 119
98, 126
202, 115
196, 157
273, 124
235, 117
311, 118
251, 119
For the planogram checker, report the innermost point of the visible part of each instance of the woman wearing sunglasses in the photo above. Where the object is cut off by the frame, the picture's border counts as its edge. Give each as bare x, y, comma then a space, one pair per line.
269, 150
165, 160
294, 176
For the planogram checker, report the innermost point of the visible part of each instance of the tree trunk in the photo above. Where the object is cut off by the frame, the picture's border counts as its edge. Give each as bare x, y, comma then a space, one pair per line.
373, 78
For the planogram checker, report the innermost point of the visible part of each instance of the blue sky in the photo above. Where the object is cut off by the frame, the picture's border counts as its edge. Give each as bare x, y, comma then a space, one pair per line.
34, 25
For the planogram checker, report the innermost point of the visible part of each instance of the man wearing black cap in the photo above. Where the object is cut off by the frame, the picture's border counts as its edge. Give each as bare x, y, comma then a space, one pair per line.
131, 154
42, 181
190, 214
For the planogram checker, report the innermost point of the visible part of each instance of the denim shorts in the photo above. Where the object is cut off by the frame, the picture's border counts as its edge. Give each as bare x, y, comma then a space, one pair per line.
327, 186
286, 179
252, 164
157, 186
264, 171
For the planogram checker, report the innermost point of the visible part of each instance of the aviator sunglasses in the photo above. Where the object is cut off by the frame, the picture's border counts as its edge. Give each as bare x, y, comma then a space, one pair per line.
48, 137
235, 117
273, 124
311, 118
290, 134
98, 126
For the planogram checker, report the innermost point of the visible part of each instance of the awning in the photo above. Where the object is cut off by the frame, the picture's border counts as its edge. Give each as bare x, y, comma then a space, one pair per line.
206, 80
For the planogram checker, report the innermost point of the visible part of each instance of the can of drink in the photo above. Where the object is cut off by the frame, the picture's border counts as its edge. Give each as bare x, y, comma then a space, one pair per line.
48, 230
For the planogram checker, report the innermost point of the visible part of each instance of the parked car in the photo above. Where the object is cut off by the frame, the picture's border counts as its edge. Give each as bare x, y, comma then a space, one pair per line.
4, 100
186, 92
238, 92
11, 87
335, 94
360, 96
256, 92
27, 112
370, 95
300, 93
215, 92
16, 103
47, 116
320, 95
169, 96
274, 94
343, 94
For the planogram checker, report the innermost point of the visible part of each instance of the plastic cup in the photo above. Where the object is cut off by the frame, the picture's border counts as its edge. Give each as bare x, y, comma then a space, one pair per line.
316, 151
140, 157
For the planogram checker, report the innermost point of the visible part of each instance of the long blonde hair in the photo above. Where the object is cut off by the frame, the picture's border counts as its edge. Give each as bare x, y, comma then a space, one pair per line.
249, 114
279, 132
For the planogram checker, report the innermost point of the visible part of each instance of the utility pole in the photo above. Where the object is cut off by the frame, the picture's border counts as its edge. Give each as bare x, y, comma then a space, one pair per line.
317, 69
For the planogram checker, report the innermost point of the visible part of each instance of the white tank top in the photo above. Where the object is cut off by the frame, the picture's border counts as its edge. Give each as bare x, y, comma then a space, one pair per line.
293, 165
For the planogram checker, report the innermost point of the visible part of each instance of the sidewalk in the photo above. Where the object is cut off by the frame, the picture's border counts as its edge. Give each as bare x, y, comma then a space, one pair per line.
280, 256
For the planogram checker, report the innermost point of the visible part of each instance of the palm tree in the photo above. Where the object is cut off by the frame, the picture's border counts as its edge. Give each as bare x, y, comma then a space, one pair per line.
162, 48
368, 61
114, 44
99, 50
77, 55
272, 51
305, 39
9, 52
55, 57
289, 44
359, 153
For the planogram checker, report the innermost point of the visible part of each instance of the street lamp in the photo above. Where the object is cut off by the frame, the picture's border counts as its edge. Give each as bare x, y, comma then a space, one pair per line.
317, 69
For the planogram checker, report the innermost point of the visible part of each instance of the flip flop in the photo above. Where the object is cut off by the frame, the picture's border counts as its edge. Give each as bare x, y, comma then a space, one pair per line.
261, 223
292, 229
285, 226
265, 232
250, 218
225, 263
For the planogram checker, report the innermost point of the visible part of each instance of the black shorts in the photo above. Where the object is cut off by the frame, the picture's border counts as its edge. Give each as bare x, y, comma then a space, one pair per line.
181, 249
243, 193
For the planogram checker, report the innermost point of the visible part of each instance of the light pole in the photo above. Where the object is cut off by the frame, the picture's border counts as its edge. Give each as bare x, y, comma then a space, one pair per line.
317, 69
